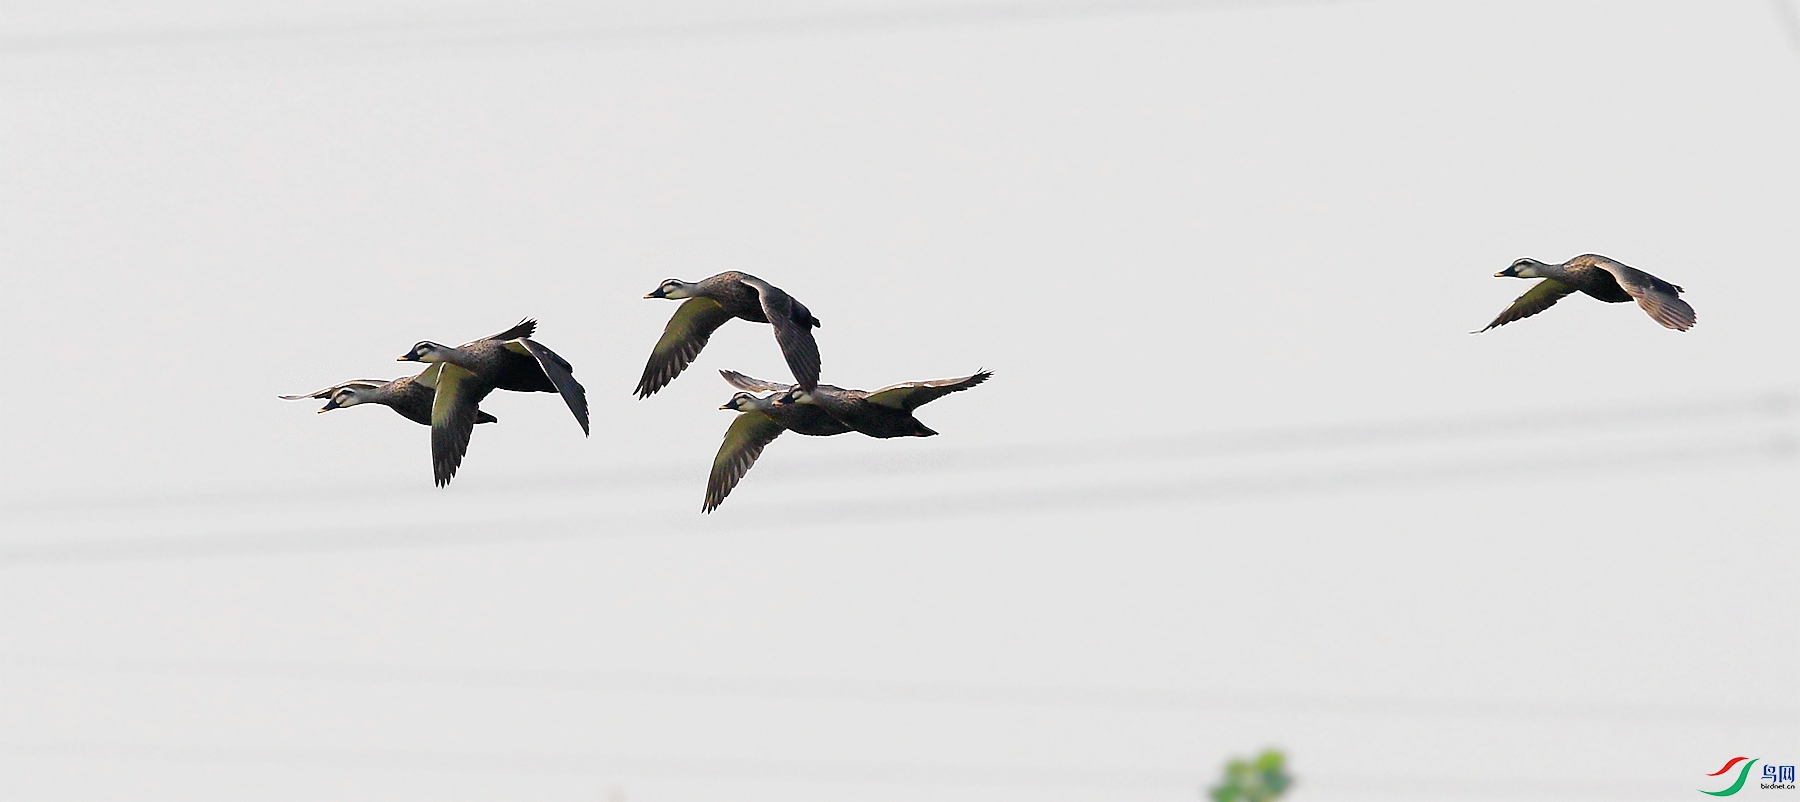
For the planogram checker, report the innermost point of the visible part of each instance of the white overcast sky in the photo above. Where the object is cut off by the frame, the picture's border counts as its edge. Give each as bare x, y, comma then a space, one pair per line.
1242, 478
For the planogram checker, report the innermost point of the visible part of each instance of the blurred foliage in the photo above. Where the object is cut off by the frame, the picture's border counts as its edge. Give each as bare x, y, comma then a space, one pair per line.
1259, 780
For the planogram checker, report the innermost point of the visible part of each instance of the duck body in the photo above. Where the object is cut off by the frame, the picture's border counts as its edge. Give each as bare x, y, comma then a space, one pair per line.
854, 408
740, 299
883, 413
807, 419
712, 302
412, 400
501, 368
1590, 280
1600, 278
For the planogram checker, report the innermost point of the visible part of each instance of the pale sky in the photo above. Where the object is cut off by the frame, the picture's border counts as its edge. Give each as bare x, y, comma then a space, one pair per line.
1242, 478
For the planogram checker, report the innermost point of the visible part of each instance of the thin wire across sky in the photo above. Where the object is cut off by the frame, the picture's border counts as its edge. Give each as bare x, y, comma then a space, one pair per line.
1770, 441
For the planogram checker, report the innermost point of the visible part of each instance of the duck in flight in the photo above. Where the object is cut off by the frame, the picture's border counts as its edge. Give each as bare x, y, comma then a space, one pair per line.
411, 396
708, 304
758, 423
1599, 277
887, 412
510, 360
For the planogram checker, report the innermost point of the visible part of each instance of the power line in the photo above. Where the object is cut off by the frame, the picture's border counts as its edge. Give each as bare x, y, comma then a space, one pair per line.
724, 769
478, 33
712, 768
1148, 700
1768, 406
1034, 500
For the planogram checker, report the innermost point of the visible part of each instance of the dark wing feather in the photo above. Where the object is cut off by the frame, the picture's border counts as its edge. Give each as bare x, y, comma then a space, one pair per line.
687, 333
561, 375
1541, 296
526, 328
744, 442
793, 332
753, 385
1659, 298
909, 396
454, 411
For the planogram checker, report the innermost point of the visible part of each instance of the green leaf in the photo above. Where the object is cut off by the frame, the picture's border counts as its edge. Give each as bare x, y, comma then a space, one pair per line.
1261, 780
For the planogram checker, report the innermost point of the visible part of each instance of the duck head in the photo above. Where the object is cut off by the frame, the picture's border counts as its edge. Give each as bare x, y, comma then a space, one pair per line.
425, 351
674, 289
794, 396
1524, 268
347, 397
743, 402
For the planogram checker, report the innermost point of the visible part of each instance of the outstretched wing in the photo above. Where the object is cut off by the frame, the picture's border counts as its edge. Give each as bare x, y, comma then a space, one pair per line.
366, 384
526, 328
428, 379
753, 385
687, 333
744, 442
793, 324
454, 410
1659, 298
1541, 296
561, 374
909, 396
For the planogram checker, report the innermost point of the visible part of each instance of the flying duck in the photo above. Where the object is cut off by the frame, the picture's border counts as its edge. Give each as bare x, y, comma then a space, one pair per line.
758, 423
510, 360
887, 412
1599, 277
411, 396
713, 301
